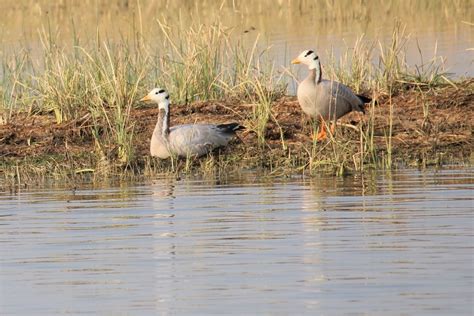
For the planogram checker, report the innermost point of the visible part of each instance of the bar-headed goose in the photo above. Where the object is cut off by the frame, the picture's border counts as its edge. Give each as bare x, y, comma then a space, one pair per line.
325, 99
184, 140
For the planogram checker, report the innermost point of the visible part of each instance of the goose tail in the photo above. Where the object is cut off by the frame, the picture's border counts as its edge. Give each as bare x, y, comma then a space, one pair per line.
230, 128
364, 101
363, 98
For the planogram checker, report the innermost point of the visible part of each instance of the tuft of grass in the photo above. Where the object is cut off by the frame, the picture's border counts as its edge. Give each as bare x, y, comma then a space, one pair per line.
354, 67
262, 96
98, 84
392, 61
428, 75
192, 61
391, 74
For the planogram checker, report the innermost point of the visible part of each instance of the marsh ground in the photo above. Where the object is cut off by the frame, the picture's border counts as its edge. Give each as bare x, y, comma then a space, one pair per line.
68, 99
429, 127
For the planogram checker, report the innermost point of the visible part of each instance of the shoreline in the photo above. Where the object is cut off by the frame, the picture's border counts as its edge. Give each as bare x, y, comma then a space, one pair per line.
410, 128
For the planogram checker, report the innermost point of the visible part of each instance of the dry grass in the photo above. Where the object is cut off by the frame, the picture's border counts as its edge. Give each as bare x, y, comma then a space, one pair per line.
392, 134
72, 110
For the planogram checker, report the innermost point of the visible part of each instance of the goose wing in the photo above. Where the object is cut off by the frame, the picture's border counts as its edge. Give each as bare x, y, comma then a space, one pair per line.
345, 99
197, 139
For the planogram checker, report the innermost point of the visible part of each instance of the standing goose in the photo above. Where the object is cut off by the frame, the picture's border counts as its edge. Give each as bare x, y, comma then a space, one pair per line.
325, 99
184, 140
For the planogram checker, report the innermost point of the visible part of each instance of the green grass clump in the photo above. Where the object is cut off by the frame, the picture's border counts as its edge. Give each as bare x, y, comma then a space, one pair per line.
99, 83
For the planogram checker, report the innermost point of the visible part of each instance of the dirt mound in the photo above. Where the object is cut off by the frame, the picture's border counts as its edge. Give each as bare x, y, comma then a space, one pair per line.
436, 122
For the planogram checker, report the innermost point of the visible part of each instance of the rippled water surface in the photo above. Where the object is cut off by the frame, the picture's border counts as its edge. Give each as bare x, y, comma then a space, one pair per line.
434, 28
383, 244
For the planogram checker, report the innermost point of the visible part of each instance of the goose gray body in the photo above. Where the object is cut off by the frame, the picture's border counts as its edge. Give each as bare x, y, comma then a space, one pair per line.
191, 139
325, 99
185, 140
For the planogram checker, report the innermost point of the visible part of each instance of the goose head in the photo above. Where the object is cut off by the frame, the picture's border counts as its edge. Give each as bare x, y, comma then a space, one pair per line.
307, 57
159, 96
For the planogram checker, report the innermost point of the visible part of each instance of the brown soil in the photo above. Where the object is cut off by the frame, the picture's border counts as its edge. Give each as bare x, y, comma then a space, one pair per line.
445, 133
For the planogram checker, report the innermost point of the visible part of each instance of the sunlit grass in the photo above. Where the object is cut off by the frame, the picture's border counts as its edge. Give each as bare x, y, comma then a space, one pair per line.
99, 82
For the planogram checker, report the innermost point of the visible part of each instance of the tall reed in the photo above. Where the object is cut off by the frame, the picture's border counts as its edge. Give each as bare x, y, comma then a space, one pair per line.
99, 83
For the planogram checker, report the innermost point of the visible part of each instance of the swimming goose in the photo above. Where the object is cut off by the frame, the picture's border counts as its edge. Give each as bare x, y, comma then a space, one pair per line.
325, 99
184, 140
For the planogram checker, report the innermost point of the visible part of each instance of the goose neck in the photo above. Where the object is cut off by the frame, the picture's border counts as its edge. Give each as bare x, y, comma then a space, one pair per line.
315, 71
162, 127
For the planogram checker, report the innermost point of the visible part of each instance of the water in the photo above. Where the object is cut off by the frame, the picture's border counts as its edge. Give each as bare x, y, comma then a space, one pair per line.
439, 28
383, 244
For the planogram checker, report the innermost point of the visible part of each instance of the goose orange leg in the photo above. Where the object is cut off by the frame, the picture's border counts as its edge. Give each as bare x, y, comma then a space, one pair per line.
333, 127
322, 131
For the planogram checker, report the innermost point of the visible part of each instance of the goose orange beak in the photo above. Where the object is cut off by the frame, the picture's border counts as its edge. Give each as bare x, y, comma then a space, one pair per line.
145, 98
296, 61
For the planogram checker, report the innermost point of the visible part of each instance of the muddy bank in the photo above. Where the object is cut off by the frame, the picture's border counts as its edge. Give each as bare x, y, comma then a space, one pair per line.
429, 127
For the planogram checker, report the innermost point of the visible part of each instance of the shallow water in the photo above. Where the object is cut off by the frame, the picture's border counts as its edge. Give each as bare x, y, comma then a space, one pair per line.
384, 244
437, 28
